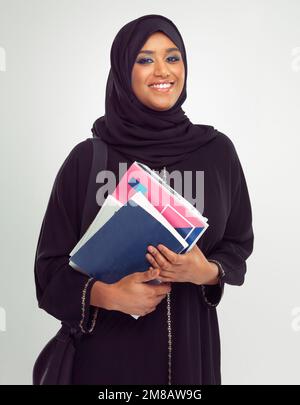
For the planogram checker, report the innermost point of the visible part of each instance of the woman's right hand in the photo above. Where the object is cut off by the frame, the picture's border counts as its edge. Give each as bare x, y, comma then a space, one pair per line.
134, 296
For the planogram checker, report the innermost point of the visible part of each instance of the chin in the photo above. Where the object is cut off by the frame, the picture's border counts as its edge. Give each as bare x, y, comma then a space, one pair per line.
160, 107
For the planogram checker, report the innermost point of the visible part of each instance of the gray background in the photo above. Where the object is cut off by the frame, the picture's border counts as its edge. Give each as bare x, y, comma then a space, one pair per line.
243, 78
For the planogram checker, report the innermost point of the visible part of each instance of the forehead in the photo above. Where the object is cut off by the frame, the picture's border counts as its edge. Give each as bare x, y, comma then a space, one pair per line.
158, 40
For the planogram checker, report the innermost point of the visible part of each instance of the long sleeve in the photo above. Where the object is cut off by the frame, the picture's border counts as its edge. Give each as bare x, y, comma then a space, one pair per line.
238, 239
61, 291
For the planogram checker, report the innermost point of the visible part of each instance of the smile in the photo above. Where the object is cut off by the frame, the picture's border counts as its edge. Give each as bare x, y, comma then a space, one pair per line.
162, 88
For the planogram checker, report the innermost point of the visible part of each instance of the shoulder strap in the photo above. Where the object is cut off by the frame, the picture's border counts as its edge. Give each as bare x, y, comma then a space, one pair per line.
99, 162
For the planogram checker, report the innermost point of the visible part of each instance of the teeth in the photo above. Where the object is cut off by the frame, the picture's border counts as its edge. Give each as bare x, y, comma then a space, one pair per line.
161, 86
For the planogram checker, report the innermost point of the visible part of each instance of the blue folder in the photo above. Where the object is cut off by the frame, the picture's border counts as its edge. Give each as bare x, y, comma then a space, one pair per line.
119, 247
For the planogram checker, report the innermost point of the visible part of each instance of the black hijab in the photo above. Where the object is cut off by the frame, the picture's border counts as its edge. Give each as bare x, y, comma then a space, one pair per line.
156, 138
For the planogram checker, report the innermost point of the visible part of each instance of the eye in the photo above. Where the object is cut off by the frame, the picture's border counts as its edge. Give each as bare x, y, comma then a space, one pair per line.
143, 61
174, 57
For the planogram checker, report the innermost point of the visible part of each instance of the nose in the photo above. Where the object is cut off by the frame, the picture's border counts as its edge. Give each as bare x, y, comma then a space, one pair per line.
161, 69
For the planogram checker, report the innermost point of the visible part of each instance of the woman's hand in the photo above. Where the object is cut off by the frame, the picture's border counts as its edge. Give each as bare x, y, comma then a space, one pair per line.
134, 296
190, 267
131, 294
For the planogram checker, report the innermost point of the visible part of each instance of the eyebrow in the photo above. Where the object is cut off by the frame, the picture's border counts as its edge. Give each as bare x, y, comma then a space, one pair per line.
151, 52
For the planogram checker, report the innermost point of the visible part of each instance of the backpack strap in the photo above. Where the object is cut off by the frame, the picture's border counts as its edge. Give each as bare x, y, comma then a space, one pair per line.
99, 162
64, 337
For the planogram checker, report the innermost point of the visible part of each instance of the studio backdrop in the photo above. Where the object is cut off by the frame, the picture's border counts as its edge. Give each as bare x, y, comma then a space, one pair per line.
244, 79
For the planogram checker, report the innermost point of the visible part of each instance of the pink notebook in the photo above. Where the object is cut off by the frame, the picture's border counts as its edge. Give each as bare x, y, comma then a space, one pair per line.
179, 212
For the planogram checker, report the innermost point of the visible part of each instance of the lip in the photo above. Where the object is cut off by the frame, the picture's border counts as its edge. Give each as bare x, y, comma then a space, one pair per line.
166, 90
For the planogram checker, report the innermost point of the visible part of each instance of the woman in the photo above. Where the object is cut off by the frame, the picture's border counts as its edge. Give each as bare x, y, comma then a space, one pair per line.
176, 338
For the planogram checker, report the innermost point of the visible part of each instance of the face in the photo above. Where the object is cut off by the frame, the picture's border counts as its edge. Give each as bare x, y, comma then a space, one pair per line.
157, 63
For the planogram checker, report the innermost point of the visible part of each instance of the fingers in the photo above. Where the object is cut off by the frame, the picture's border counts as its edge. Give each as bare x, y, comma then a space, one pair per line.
164, 276
171, 256
152, 261
161, 289
165, 279
156, 301
157, 259
150, 274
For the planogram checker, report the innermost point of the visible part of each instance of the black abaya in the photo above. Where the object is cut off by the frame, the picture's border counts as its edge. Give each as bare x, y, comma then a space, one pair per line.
120, 349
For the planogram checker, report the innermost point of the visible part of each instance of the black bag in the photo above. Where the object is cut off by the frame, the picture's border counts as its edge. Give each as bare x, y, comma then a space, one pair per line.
55, 362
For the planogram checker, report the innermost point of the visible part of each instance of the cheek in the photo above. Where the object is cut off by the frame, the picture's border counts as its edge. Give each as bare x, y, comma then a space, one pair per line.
138, 78
181, 77
181, 73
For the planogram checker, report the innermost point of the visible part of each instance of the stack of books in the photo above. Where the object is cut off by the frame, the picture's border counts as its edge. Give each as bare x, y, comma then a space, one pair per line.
143, 210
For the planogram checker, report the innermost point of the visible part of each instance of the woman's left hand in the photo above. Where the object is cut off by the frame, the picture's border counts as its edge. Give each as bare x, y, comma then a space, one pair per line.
190, 267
